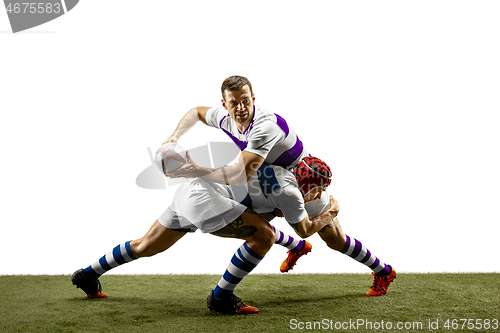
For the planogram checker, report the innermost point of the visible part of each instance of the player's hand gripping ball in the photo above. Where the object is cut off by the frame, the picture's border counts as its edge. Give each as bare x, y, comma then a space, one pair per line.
170, 156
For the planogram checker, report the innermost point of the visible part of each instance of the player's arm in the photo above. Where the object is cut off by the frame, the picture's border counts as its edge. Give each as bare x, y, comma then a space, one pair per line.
188, 121
308, 227
249, 161
262, 140
237, 174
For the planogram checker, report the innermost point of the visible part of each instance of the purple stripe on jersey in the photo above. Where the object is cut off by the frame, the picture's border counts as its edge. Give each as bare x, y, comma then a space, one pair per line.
220, 123
251, 124
291, 155
241, 144
282, 124
249, 127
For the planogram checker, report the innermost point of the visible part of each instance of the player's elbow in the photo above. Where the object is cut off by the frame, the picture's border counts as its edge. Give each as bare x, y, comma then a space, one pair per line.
247, 178
241, 178
248, 174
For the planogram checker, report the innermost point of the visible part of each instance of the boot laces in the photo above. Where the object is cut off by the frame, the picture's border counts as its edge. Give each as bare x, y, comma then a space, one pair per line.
380, 283
292, 257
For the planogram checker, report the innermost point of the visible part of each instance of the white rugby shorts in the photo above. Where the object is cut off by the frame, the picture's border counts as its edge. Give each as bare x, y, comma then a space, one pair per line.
200, 205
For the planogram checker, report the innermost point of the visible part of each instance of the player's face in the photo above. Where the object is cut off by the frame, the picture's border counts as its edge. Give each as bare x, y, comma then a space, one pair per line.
314, 194
239, 104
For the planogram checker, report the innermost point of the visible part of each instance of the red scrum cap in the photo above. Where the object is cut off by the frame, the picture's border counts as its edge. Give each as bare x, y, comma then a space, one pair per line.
312, 172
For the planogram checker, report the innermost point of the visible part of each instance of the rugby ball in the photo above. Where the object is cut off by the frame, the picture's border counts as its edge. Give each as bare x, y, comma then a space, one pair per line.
170, 156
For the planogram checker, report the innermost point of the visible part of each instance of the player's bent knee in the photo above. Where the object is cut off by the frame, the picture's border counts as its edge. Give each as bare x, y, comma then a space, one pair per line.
262, 240
268, 236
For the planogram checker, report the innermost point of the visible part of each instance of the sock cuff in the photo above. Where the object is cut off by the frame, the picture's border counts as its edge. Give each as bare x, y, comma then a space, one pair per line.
252, 252
129, 250
347, 244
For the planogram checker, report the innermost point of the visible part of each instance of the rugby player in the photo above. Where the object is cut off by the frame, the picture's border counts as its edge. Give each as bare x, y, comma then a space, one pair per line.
216, 209
263, 136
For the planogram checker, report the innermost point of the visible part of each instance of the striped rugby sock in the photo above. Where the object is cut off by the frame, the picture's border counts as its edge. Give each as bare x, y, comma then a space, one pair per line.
243, 262
120, 255
288, 241
354, 249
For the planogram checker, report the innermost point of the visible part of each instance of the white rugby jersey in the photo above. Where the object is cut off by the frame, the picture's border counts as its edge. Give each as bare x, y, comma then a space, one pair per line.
272, 187
268, 136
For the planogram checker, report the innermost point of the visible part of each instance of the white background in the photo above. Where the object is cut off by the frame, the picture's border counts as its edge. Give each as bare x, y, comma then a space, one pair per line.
400, 98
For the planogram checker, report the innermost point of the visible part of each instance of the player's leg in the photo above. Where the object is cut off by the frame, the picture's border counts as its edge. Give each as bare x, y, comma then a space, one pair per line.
158, 239
212, 209
333, 235
281, 238
297, 248
383, 274
259, 238
258, 234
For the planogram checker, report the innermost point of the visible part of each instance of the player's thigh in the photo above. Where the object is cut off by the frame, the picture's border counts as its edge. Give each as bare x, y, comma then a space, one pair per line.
247, 225
157, 239
333, 235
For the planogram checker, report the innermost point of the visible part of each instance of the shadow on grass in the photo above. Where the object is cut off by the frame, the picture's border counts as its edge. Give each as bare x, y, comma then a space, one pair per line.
140, 307
314, 299
154, 308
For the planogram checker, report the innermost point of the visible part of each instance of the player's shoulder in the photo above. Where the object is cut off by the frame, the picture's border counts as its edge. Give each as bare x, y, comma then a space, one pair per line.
216, 115
217, 110
263, 114
265, 120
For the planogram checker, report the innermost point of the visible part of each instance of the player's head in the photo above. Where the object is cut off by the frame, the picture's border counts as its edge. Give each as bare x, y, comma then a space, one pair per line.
313, 176
238, 98
234, 83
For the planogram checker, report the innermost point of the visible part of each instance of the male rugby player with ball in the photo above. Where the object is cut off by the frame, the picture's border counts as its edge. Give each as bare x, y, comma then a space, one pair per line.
158, 240
263, 136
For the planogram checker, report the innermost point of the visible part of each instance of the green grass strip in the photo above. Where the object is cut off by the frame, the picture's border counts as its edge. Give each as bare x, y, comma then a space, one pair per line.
287, 303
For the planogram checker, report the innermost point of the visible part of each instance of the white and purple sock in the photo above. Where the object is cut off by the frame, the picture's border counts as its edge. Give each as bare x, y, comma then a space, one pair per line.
356, 250
288, 241
120, 255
